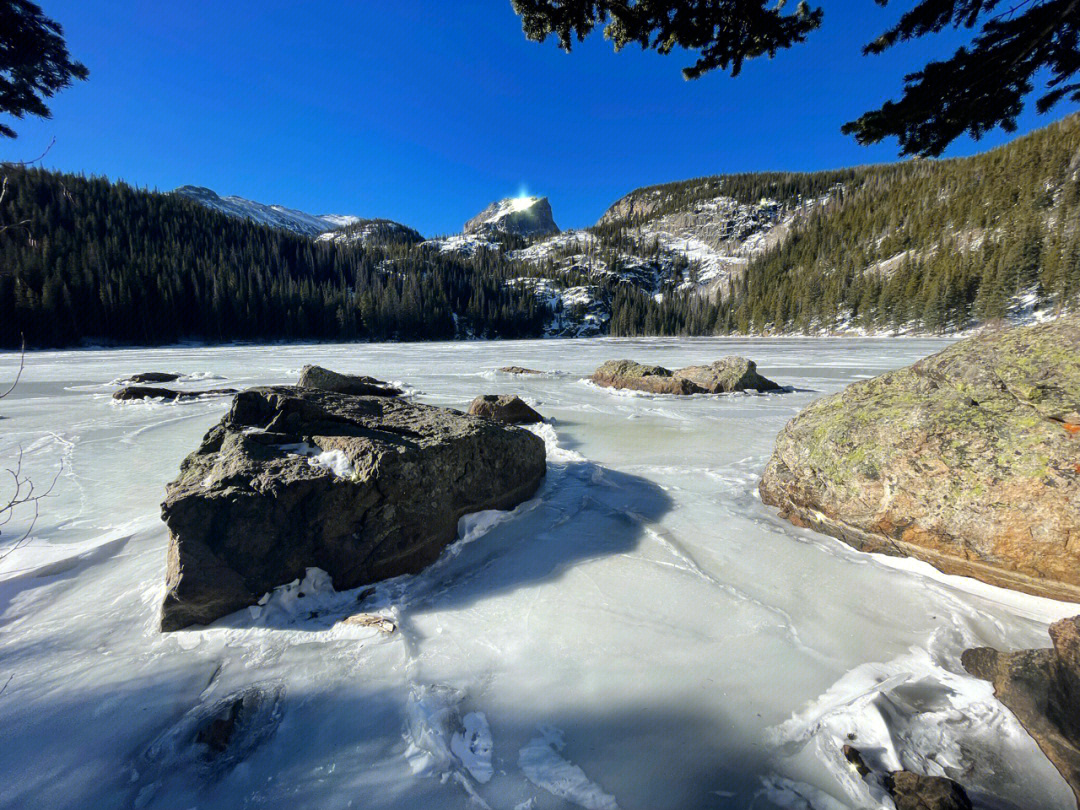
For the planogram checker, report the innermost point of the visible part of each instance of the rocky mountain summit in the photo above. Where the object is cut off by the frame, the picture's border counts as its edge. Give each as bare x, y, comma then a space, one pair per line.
968, 460
519, 216
362, 486
276, 216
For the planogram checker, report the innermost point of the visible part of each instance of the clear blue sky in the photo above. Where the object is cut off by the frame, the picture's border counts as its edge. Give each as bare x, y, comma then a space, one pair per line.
424, 111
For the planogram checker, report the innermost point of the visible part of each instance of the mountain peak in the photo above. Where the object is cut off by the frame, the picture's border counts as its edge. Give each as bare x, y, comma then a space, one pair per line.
522, 216
276, 216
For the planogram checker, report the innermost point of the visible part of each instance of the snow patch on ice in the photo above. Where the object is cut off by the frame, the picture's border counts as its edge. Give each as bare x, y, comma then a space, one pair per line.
473, 746
542, 765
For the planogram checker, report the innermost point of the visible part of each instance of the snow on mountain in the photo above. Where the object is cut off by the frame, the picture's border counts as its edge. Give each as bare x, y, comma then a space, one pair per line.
372, 231
466, 244
276, 216
521, 216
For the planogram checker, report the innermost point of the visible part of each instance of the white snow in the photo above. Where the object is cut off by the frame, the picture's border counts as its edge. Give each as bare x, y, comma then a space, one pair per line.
277, 216
693, 649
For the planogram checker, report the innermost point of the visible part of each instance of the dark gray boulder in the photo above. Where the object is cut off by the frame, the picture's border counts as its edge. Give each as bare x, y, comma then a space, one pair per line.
519, 370
136, 392
363, 487
151, 377
327, 380
508, 408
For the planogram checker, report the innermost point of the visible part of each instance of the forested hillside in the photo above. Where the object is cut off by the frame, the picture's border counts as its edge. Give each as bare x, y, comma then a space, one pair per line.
921, 245
86, 259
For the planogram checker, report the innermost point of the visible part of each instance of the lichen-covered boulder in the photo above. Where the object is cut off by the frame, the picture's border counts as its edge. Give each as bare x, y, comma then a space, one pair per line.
727, 375
357, 384
363, 487
638, 377
508, 408
1042, 688
968, 459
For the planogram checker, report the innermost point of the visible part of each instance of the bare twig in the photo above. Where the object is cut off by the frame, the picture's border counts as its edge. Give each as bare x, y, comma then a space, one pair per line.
22, 364
24, 493
5, 686
38, 159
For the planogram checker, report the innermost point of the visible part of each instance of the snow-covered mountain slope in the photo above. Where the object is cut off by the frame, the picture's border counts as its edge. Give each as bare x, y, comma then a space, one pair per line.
372, 231
520, 216
276, 216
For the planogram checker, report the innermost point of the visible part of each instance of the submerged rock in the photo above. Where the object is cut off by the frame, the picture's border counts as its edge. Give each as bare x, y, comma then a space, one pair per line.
363, 487
727, 375
327, 380
134, 392
151, 377
508, 408
1042, 688
519, 370
968, 460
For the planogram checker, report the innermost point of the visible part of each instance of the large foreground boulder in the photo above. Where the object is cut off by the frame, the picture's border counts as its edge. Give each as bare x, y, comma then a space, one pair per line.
969, 460
725, 376
357, 384
363, 487
1042, 688
508, 408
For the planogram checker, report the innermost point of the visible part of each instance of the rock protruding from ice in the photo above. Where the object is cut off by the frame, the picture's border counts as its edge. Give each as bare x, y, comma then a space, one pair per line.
508, 408
1042, 688
135, 392
966, 460
520, 216
276, 216
364, 487
912, 791
725, 376
356, 384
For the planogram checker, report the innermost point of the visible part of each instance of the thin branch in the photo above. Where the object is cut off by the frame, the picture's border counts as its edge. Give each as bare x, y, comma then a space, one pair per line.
22, 355
38, 159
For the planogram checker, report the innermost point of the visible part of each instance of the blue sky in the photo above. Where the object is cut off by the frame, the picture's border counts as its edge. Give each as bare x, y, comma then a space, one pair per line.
425, 111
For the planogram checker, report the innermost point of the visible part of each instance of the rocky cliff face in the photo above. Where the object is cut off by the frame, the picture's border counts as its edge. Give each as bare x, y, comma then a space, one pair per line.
969, 460
520, 216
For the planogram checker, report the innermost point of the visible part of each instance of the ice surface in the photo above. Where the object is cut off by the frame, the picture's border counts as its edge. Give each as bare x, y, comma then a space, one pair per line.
692, 649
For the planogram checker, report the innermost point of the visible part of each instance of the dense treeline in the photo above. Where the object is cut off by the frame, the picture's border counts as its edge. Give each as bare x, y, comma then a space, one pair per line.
929, 245
86, 259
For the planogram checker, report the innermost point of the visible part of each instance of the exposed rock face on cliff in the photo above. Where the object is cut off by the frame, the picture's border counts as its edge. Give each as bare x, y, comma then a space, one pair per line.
363, 487
1042, 688
521, 216
969, 460
725, 376
507, 408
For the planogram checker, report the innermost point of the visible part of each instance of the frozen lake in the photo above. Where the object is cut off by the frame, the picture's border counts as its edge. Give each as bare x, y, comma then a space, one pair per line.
643, 634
